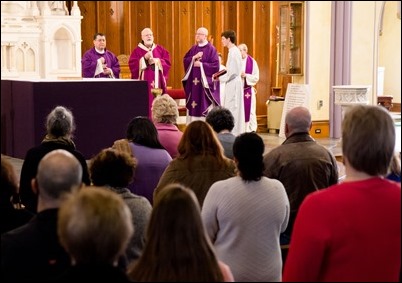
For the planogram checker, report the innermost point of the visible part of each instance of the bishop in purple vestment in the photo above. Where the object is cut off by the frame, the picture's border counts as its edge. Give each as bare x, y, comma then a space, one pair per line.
145, 59
200, 63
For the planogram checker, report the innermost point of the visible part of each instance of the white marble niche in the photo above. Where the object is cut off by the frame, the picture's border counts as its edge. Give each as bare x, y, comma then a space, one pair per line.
40, 39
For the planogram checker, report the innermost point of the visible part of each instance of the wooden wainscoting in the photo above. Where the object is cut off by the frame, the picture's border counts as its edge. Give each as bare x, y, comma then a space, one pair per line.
320, 129
396, 107
262, 126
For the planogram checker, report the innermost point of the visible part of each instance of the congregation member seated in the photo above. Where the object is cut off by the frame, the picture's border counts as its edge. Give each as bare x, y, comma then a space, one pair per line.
200, 162
395, 168
60, 127
177, 248
351, 232
244, 216
300, 163
114, 170
222, 121
32, 252
94, 227
143, 143
12, 211
164, 115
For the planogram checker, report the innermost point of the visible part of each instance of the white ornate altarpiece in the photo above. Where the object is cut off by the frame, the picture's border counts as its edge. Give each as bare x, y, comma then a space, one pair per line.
40, 39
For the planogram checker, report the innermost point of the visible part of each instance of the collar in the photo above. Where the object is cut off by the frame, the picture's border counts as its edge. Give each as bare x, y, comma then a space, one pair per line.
298, 137
203, 44
100, 51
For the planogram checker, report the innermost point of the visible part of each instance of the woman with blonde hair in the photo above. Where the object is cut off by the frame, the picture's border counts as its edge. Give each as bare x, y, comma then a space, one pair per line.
200, 162
164, 115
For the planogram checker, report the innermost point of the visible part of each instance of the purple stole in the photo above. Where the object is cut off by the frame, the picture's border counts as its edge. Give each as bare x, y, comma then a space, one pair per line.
247, 89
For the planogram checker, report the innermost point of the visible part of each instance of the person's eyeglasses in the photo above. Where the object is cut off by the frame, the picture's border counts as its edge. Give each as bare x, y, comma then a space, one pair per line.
199, 34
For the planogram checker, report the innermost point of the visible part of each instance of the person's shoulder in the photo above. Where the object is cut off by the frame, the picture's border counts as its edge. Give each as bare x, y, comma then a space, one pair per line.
18, 236
78, 154
139, 202
36, 153
275, 151
158, 46
110, 52
89, 51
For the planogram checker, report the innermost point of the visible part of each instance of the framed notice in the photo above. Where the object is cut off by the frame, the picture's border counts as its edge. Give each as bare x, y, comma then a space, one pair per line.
296, 95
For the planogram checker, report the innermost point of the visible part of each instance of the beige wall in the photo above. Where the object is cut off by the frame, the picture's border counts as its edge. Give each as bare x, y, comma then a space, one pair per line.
368, 51
364, 37
318, 62
389, 50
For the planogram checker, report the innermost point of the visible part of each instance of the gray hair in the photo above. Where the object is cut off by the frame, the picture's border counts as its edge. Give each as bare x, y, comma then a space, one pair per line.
60, 122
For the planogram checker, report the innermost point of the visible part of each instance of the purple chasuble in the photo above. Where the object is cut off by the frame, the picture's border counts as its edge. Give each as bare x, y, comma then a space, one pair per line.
247, 89
90, 60
198, 85
148, 74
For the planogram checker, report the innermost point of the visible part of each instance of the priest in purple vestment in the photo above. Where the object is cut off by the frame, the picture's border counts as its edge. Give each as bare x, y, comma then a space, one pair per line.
150, 62
200, 63
98, 62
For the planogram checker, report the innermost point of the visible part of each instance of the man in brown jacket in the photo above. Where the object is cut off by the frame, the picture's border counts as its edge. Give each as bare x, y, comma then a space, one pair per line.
300, 163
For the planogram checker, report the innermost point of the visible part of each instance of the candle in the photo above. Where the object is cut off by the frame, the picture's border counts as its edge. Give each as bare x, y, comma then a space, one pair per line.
156, 75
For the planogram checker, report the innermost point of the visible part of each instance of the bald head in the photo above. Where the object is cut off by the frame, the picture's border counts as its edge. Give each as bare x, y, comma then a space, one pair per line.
243, 50
59, 172
201, 36
298, 120
203, 31
242, 47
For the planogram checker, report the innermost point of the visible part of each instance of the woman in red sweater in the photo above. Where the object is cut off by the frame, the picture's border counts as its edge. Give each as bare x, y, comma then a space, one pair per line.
352, 230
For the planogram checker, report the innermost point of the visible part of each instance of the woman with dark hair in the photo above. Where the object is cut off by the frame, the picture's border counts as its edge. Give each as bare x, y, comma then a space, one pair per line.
200, 162
245, 215
222, 121
177, 248
143, 143
114, 170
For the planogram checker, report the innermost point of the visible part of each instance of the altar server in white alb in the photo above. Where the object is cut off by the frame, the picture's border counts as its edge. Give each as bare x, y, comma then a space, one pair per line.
250, 76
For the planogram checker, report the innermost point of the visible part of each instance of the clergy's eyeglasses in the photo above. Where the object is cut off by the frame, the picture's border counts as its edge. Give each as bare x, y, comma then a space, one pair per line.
200, 33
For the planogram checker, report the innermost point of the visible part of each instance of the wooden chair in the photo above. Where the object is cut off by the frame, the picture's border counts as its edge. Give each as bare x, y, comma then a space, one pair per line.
125, 72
